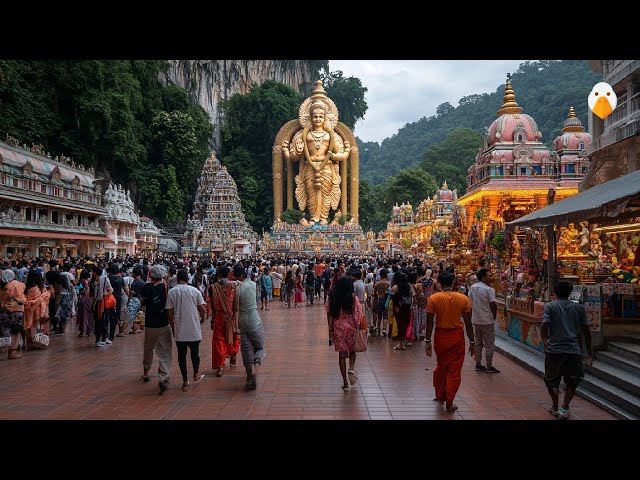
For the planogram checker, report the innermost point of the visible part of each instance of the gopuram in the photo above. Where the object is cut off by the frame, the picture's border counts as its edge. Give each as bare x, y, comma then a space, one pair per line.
324, 180
218, 225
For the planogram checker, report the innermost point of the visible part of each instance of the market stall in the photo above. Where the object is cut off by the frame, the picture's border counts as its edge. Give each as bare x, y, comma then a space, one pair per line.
592, 241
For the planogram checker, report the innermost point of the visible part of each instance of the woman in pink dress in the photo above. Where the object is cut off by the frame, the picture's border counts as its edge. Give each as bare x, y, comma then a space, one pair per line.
345, 314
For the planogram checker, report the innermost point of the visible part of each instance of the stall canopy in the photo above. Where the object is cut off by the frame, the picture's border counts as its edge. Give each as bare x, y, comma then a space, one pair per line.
605, 200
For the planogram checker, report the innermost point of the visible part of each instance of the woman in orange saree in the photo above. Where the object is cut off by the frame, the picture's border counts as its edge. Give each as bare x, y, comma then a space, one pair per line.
225, 341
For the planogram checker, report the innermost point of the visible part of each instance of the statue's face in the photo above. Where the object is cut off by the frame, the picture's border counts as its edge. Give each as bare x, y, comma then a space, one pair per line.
318, 117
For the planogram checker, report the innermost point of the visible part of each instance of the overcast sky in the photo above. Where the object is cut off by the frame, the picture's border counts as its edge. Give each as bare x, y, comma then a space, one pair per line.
403, 91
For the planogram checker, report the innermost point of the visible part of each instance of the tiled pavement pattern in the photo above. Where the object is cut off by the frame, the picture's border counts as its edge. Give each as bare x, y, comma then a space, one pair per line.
300, 379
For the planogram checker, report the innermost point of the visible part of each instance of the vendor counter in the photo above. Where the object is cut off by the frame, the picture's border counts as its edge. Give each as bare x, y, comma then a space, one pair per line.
516, 320
613, 311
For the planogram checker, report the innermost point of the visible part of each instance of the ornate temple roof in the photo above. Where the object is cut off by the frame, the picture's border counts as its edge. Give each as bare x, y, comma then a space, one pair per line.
512, 121
41, 165
573, 137
218, 219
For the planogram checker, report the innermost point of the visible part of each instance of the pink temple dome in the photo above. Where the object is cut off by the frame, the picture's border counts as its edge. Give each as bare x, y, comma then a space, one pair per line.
504, 128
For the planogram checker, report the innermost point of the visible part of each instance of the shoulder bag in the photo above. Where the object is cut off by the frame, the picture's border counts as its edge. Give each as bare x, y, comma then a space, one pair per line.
360, 340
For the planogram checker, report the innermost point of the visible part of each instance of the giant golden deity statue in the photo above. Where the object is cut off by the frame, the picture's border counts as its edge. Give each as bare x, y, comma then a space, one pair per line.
321, 146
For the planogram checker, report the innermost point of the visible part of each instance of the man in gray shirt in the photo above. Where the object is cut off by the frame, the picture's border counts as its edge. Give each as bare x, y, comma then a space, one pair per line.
249, 326
562, 322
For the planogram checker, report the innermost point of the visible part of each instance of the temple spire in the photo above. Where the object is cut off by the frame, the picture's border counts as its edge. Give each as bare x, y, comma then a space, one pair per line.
572, 123
509, 104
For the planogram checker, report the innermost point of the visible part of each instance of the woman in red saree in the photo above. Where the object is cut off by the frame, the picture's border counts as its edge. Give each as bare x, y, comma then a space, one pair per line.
224, 322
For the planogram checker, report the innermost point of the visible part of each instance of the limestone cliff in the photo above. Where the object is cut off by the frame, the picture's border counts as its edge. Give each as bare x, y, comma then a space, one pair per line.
210, 81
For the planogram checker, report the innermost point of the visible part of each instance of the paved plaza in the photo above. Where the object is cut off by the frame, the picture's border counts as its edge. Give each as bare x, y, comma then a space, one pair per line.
300, 379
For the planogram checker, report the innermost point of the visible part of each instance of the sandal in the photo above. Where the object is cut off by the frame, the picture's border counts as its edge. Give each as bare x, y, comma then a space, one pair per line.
186, 386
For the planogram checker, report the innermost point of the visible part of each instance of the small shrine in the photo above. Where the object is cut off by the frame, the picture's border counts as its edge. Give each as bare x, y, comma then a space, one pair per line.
148, 237
218, 225
120, 222
436, 226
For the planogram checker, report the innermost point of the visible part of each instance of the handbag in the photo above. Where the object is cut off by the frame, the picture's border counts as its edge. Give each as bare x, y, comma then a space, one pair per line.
360, 340
109, 302
41, 339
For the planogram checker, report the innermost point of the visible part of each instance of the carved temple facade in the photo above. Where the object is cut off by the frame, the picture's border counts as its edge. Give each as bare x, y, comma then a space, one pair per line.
513, 170
147, 238
120, 221
218, 225
49, 207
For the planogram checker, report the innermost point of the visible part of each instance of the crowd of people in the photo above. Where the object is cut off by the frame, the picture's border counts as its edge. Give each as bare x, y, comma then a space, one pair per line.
170, 298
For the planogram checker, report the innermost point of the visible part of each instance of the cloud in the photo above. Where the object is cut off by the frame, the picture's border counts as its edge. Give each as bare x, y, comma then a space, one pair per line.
403, 91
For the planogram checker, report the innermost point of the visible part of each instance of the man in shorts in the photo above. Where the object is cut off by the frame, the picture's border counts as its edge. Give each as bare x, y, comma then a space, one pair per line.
562, 324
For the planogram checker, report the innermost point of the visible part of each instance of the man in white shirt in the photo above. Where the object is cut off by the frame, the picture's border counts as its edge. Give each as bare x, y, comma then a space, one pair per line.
483, 316
185, 306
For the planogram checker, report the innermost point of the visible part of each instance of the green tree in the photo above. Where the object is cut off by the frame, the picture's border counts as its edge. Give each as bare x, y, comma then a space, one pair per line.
412, 184
348, 95
449, 159
251, 124
292, 216
173, 199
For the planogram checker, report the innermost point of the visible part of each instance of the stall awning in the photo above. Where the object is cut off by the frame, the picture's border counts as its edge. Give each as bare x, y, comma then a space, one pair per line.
50, 235
605, 200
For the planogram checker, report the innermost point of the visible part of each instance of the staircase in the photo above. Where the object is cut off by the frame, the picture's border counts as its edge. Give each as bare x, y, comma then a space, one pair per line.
613, 380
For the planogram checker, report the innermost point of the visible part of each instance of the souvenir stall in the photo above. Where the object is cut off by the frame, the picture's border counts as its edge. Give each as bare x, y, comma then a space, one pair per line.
592, 241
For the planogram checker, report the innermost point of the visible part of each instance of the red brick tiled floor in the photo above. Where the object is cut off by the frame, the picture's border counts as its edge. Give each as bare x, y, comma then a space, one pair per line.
300, 379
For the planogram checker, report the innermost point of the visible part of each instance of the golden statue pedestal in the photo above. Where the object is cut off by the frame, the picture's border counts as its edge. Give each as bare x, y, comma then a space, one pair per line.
316, 239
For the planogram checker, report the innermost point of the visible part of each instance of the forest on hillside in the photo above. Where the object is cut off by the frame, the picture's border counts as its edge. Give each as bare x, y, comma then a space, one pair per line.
544, 89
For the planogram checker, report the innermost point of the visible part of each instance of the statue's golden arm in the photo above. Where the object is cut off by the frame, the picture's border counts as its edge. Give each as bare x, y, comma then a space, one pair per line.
291, 154
341, 156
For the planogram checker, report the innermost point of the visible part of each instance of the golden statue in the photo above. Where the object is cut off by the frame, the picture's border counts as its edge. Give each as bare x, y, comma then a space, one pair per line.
322, 147
569, 240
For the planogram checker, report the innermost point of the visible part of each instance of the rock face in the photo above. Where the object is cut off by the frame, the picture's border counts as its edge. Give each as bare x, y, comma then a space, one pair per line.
211, 81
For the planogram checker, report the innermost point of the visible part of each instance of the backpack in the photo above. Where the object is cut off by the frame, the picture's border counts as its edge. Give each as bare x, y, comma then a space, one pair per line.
405, 301
311, 278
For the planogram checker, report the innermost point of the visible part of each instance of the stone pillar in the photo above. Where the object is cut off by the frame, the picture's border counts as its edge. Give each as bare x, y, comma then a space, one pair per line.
353, 170
343, 187
285, 133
